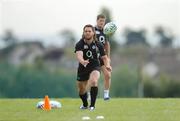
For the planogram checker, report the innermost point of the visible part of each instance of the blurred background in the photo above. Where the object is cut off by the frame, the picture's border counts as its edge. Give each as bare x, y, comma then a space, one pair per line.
37, 39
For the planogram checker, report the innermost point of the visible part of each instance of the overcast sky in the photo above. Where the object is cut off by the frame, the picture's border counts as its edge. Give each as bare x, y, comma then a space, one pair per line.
33, 17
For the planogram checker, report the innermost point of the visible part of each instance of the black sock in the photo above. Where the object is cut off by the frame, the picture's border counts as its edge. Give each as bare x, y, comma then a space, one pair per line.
94, 92
84, 99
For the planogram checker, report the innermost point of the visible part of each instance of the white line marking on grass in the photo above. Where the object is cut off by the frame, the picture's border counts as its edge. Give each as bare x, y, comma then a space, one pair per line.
99, 117
86, 118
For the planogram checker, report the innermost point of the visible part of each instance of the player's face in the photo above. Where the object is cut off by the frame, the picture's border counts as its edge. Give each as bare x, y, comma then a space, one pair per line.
101, 23
88, 33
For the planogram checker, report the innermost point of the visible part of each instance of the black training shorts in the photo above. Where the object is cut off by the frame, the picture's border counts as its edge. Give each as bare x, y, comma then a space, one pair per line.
83, 75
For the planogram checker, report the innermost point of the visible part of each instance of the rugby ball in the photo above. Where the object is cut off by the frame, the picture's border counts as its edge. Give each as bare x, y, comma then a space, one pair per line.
54, 104
110, 28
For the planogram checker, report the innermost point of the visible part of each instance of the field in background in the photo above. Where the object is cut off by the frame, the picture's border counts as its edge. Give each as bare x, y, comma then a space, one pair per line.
117, 109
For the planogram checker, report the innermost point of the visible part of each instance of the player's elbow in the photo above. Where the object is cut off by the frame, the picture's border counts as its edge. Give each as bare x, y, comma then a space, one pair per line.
104, 57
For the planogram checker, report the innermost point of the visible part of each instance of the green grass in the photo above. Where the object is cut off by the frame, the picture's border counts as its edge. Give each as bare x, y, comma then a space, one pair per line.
117, 109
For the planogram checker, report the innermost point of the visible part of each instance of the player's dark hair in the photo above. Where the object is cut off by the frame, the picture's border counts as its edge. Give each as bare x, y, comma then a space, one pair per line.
93, 29
101, 16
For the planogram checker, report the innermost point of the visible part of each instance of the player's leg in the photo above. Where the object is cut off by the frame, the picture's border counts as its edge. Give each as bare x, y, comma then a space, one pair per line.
93, 83
83, 93
88, 95
107, 82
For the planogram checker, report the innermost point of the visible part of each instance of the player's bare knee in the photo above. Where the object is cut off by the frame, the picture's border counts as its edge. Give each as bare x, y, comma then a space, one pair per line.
93, 82
81, 91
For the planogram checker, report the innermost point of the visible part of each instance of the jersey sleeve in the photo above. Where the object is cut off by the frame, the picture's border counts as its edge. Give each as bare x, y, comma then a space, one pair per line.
78, 47
101, 49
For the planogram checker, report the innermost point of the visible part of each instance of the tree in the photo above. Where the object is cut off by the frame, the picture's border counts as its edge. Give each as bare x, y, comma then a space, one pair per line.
135, 37
166, 39
9, 37
107, 13
69, 37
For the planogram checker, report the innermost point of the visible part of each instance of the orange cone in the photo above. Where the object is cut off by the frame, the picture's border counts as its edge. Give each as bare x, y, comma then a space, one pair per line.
47, 105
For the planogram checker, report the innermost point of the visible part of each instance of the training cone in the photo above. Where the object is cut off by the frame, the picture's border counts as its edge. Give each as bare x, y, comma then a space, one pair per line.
47, 105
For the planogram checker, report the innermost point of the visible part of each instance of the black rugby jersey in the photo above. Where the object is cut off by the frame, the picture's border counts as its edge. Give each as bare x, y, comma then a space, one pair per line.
90, 52
101, 37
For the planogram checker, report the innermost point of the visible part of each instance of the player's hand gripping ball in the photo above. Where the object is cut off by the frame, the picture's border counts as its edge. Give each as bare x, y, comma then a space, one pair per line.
110, 28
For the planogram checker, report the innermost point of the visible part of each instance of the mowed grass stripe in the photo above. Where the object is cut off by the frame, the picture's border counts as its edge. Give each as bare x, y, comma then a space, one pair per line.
117, 109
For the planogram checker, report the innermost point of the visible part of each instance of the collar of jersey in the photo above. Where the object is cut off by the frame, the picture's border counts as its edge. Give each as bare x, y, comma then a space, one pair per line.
98, 28
87, 43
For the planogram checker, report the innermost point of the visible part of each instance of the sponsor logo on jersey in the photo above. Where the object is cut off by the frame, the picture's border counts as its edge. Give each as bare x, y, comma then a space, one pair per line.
85, 47
97, 32
93, 47
89, 54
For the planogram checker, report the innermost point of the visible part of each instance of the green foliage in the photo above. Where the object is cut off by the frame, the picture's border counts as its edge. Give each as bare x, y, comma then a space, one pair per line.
68, 36
9, 37
136, 37
124, 82
164, 87
31, 82
107, 13
166, 38
113, 44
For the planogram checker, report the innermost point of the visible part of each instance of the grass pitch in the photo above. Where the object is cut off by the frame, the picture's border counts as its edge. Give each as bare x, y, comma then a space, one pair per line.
117, 109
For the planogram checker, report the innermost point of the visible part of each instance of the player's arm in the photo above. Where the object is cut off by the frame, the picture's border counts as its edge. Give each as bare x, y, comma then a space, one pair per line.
79, 56
107, 48
104, 57
106, 62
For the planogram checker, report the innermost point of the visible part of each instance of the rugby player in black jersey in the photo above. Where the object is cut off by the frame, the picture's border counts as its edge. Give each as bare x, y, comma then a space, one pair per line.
101, 37
87, 51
